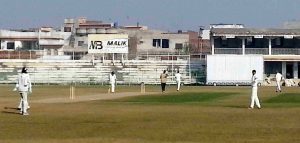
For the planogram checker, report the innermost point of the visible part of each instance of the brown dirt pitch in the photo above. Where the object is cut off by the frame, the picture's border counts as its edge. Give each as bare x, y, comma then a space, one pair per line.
196, 114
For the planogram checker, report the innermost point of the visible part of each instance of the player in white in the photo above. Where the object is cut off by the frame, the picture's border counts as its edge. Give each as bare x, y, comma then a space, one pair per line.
178, 80
20, 104
278, 77
112, 81
24, 86
254, 97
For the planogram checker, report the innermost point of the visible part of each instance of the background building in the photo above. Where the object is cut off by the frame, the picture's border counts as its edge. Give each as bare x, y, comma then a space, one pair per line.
280, 48
33, 43
141, 39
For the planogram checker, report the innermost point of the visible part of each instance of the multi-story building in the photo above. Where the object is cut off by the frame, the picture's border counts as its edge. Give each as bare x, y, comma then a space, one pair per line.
157, 42
141, 39
40, 42
71, 41
199, 43
280, 48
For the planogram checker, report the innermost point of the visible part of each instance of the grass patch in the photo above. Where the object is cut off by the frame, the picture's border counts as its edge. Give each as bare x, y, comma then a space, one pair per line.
188, 97
150, 120
285, 98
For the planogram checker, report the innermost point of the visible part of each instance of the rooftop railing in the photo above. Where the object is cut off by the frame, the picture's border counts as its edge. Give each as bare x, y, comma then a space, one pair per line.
51, 42
285, 51
261, 51
237, 51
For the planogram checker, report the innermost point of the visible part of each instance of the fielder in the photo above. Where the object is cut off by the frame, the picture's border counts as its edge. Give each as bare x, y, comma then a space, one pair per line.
254, 97
112, 81
163, 80
178, 80
278, 77
23, 85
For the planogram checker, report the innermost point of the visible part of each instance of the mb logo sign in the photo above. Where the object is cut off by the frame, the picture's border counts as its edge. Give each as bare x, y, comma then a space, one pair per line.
95, 45
108, 43
98, 44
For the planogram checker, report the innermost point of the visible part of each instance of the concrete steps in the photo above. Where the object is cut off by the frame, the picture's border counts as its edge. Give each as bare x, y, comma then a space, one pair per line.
129, 72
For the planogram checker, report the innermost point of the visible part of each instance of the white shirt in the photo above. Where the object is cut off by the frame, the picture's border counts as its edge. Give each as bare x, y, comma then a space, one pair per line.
254, 81
23, 83
278, 77
178, 76
112, 78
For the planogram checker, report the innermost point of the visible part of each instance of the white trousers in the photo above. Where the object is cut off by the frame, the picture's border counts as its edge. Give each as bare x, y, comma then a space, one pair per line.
178, 85
254, 98
20, 104
112, 85
278, 86
24, 102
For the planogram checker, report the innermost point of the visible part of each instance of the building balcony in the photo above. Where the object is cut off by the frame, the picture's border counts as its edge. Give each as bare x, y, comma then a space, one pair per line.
51, 35
81, 31
51, 42
285, 51
112, 31
236, 51
101, 31
91, 31
69, 21
260, 51
17, 35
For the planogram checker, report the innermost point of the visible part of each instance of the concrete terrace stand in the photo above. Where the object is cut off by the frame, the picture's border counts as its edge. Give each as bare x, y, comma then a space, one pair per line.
85, 72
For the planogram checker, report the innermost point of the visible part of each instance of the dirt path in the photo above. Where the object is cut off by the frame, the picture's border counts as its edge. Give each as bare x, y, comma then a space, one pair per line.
103, 96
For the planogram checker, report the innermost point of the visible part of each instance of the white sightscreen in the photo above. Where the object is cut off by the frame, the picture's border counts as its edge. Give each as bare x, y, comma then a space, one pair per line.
233, 68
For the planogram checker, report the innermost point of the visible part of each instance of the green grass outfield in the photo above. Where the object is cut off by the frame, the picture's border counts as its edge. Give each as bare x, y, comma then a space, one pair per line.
195, 114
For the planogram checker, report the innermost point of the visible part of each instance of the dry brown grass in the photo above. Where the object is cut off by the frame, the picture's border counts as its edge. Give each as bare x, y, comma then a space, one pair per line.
222, 120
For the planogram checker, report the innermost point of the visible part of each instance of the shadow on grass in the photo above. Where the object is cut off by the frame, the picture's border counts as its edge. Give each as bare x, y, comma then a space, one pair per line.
13, 108
10, 112
236, 106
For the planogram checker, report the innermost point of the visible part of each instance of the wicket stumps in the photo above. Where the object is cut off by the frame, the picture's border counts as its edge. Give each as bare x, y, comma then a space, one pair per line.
143, 87
72, 92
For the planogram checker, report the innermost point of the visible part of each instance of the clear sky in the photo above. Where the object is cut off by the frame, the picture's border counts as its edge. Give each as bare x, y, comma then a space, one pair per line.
169, 15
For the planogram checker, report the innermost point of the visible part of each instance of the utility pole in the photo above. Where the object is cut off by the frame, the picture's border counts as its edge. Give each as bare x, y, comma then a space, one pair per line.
200, 33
